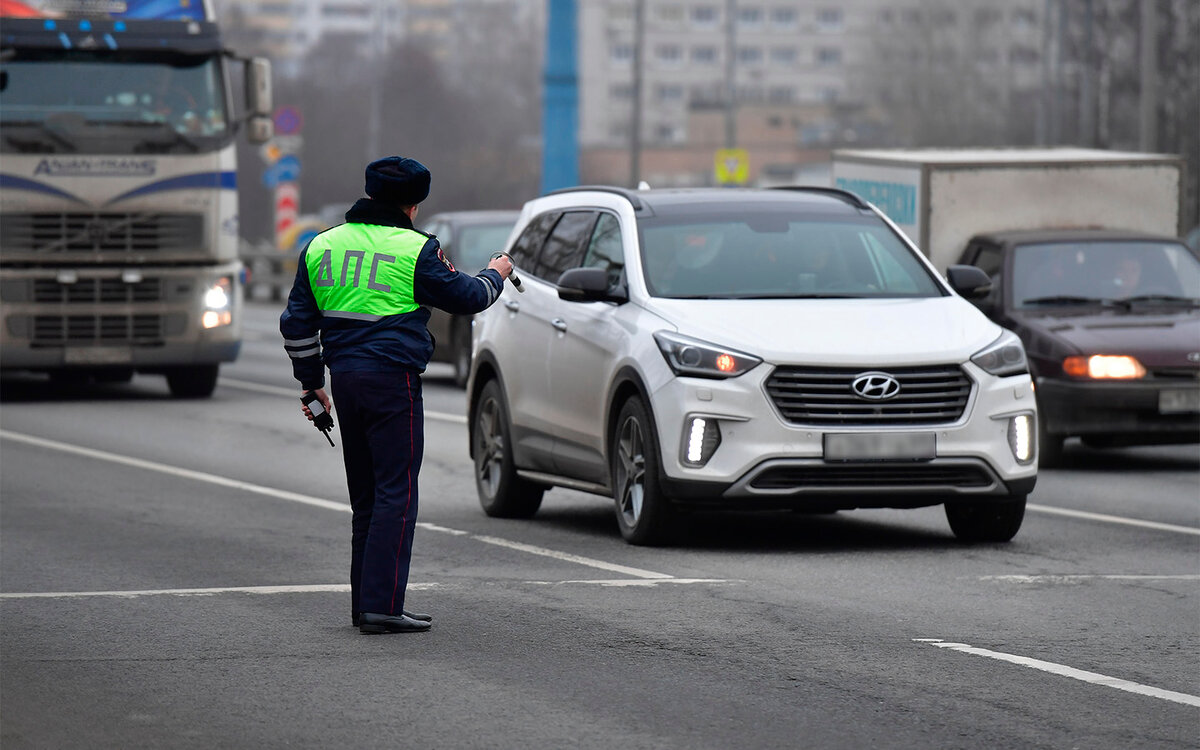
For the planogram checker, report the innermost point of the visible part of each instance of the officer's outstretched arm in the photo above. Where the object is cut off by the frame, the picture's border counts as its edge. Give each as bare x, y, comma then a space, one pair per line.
437, 284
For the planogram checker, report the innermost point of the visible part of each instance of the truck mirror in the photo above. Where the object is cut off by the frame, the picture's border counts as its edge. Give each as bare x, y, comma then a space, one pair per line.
258, 87
969, 281
259, 129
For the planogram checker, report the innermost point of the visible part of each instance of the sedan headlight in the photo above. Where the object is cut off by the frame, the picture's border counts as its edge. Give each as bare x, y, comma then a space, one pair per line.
688, 356
1004, 356
1104, 367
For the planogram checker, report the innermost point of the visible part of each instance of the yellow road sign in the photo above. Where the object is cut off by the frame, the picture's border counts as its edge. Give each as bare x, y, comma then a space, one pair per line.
732, 166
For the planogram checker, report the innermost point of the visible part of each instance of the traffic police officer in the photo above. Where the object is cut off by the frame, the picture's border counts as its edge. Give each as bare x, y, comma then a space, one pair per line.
357, 306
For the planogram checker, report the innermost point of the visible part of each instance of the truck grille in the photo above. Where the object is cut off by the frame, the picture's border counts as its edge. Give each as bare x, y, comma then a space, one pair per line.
58, 330
823, 396
51, 233
91, 291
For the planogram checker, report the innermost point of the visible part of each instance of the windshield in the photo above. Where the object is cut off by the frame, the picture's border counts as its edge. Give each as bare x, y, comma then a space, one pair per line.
128, 104
1066, 273
761, 252
475, 244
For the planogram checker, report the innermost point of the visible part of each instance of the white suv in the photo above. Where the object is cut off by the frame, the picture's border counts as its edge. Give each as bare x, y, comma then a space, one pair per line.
779, 348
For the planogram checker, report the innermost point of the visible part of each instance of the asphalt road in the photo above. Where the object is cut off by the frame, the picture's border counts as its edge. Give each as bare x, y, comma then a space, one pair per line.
173, 574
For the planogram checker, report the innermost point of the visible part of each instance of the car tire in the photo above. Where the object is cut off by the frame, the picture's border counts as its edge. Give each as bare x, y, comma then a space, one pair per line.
986, 520
502, 493
461, 341
644, 513
1050, 447
197, 381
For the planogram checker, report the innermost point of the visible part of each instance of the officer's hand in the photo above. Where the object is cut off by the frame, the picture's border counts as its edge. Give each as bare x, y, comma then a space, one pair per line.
323, 398
502, 265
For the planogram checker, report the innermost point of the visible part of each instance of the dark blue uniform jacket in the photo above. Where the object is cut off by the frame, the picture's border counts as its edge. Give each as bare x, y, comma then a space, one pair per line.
397, 342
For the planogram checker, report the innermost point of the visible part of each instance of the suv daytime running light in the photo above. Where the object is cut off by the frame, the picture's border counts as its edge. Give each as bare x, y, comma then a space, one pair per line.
1104, 367
688, 356
701, 436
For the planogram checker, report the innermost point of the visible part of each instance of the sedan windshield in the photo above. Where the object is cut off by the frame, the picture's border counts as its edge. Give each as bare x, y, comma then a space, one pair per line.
776, 253
1082, 273
77, 102
476, 243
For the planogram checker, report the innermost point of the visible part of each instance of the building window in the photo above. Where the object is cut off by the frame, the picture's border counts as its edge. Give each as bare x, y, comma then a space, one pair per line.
783, 55
668, 54
620, 13
749, 18
750, 55
621, 91
705, 16
704, 55
667, 133
829, 56
1023, 55
621, 52
672, 14
783, 18
780, 95
829, 19
669, 92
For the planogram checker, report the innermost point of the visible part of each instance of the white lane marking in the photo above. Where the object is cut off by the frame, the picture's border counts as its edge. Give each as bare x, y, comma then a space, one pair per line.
568, 557
1112, 519
275, 390
1065, 671
318, 588
1071, 578
316, 501
199, 476
625, 582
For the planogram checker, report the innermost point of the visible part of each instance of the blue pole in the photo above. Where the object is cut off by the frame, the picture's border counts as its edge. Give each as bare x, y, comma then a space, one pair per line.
560, 105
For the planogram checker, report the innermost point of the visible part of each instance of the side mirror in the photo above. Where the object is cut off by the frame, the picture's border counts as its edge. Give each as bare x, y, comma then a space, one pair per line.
589, 285
969, 281
258, 87
259, 129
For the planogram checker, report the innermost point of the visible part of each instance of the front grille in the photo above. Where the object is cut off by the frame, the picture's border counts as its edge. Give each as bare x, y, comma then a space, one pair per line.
871, 475
91, 291
822, 396
52, 233
59, 330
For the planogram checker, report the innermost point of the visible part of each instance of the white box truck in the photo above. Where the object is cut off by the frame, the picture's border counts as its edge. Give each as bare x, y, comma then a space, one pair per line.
941, 198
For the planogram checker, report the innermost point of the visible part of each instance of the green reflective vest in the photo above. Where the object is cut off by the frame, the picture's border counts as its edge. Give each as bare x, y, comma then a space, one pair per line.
364, 271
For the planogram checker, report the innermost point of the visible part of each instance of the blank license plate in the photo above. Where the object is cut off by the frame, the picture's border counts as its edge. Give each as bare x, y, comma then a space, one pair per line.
1179, 401
880, 446
98, 355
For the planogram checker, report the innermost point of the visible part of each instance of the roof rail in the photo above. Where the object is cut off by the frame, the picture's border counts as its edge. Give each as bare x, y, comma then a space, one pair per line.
844, 195
626, 193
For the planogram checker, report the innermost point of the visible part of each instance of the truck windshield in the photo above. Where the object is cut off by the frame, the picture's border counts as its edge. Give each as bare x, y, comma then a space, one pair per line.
772, 253
81, 102
1096, 272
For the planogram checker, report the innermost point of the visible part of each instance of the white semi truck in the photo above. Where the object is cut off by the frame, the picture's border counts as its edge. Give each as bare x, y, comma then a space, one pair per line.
941, 198
118, 189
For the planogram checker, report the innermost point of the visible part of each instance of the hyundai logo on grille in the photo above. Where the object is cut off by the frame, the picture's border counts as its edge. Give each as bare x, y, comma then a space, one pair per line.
875, 386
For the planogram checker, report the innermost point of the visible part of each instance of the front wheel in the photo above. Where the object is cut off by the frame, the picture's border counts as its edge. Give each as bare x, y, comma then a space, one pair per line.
644, 513
986, 520
197, 381
502, 493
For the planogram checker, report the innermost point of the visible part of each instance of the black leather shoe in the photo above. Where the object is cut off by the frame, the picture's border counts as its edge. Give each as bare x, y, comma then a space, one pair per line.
414, 615
372, 624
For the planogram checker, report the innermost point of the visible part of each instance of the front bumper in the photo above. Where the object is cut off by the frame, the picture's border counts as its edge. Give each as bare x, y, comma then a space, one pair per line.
1124, 412
763, 461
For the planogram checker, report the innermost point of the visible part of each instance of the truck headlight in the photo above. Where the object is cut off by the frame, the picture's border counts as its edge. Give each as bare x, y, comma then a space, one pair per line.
1004, 356
218, 304
688, 356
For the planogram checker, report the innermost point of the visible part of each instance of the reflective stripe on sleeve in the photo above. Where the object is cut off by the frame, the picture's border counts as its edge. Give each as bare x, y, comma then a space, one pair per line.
303, 353
491, 290
301, 342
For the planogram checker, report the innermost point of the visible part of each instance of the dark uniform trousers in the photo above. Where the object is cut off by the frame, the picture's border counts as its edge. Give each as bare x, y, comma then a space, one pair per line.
382, 425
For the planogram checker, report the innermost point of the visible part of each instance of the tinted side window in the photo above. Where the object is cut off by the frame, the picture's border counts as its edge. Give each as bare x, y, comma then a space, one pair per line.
564, 249
990, 259
528, 246
605, 249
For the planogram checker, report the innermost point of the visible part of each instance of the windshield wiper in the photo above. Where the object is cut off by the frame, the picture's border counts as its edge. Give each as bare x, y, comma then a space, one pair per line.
1168, 298
165, 128
1067, 299
43, 129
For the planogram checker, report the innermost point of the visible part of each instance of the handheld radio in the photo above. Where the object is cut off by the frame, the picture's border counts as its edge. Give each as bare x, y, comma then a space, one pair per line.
321, 418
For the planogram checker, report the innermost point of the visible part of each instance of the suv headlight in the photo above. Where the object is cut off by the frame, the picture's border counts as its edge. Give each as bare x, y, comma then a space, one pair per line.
688, 356
1004, 356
